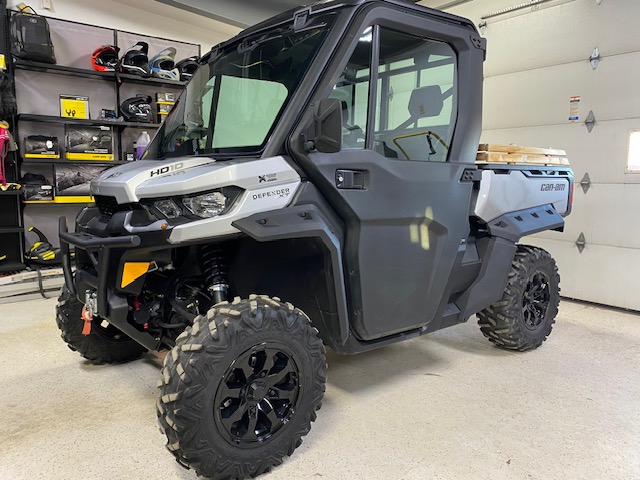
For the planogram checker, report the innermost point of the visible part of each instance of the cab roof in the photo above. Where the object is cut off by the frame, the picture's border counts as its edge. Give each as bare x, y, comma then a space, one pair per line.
325, 6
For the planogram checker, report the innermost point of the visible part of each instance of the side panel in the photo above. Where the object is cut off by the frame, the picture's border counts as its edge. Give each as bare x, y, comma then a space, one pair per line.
515, 190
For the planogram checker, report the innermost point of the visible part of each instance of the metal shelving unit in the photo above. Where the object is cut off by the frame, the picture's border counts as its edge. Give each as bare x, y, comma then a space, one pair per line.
30, 117
36, 117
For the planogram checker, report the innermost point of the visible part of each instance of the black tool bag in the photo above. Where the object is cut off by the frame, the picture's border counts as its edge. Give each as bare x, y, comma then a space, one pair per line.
31, 37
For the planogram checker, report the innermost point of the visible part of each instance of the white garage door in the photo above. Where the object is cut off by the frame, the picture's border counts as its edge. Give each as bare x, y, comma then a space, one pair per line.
538, 59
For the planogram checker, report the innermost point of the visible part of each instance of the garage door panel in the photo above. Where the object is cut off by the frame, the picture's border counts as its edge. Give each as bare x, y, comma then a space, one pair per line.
596, 274
541, 97
602, 153
536, 62
524, 42
576, 223
604, 216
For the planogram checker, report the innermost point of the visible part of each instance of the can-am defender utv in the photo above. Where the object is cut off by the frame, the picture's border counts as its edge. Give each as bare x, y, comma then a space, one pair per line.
325, 157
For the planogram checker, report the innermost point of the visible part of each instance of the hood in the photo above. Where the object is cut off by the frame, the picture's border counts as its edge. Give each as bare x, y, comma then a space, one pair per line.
188, 175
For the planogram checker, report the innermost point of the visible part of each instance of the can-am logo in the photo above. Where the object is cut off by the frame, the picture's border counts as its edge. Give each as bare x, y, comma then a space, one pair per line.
167, 169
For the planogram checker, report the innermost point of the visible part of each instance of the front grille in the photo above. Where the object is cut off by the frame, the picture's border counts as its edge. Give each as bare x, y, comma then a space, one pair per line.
108, 206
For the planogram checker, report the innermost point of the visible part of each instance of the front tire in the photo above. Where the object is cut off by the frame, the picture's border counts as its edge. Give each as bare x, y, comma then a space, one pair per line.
105, 344
523, 318
241, 388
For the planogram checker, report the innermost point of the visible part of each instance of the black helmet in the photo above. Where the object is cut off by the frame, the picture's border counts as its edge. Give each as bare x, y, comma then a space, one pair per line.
137, 109
105, 58
136, 60
186, 68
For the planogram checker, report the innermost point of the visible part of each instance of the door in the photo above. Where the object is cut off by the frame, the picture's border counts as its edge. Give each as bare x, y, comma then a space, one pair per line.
396, 181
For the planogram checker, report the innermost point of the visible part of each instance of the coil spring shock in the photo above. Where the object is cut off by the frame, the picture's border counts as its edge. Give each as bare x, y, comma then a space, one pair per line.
216, 271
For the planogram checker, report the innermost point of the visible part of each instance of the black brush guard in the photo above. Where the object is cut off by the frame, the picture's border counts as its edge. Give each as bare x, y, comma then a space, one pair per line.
112, 306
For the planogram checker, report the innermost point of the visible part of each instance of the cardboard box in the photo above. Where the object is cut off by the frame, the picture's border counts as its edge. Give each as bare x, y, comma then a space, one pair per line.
33, 193
89, 143
41, 146
166, 97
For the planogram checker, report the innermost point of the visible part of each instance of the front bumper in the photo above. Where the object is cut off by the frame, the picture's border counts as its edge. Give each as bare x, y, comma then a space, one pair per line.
105, 254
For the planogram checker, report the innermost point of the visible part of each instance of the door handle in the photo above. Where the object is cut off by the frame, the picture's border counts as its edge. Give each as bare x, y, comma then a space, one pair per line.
350, 179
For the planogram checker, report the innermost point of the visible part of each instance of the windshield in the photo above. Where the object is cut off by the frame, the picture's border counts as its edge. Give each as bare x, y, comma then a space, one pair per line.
232, 104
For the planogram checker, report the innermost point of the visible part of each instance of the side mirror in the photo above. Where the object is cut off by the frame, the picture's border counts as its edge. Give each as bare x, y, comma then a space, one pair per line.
325, 135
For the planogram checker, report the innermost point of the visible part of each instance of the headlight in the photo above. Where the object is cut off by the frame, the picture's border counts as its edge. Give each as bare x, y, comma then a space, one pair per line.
168, 208
207, 205
193, 207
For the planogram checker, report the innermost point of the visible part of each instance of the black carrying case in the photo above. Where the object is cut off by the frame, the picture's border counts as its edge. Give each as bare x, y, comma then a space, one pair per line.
31, 37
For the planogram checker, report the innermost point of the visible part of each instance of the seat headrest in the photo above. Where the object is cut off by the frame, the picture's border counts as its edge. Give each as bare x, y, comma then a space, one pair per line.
426, 102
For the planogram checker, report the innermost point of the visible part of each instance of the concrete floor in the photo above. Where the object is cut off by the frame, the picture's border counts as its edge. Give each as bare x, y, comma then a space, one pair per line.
445, 406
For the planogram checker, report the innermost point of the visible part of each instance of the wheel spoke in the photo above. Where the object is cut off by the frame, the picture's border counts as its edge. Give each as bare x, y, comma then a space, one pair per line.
230, 391
238, 414
276, 378
246, 369
269, 362
251, 427
270, 413
286, 394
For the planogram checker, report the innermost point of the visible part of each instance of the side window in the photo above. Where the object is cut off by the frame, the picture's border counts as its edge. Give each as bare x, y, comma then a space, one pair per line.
417, 97
352, 89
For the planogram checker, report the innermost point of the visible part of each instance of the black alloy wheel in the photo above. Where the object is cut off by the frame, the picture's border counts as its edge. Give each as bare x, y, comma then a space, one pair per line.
535, 301
258, 395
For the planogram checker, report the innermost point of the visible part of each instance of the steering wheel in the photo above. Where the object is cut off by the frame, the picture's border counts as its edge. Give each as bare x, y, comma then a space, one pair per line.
428, 133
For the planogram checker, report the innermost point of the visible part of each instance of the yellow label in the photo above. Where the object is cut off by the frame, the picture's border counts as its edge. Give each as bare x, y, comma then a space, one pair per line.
3, 62
165, 103
71, 199
107, 157
74, 107
133, 271
41, 155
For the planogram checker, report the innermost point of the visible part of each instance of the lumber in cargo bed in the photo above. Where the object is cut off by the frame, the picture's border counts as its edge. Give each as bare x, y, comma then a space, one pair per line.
516, 155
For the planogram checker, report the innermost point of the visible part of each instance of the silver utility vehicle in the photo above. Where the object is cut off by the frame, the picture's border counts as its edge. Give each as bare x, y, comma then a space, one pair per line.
315, 185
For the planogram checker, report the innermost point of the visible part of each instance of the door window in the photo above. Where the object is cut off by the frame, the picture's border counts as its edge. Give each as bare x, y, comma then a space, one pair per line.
352, 89
418, 97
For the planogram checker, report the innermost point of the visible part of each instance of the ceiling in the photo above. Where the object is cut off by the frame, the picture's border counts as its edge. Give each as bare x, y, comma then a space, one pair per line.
241, 13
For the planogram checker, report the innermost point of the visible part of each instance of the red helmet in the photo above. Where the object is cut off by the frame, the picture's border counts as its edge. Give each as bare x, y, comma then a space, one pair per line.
105, 58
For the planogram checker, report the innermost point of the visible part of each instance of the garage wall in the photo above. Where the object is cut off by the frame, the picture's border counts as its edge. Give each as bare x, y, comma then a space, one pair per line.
147, 17
537, 59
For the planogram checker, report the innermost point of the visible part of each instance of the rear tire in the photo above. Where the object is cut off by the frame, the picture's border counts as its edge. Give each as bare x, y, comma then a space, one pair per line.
241, 388
103, 345
523, 318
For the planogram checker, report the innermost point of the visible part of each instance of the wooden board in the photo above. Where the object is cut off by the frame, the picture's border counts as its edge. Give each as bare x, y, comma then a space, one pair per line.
495, 148
484, 157
514, 154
